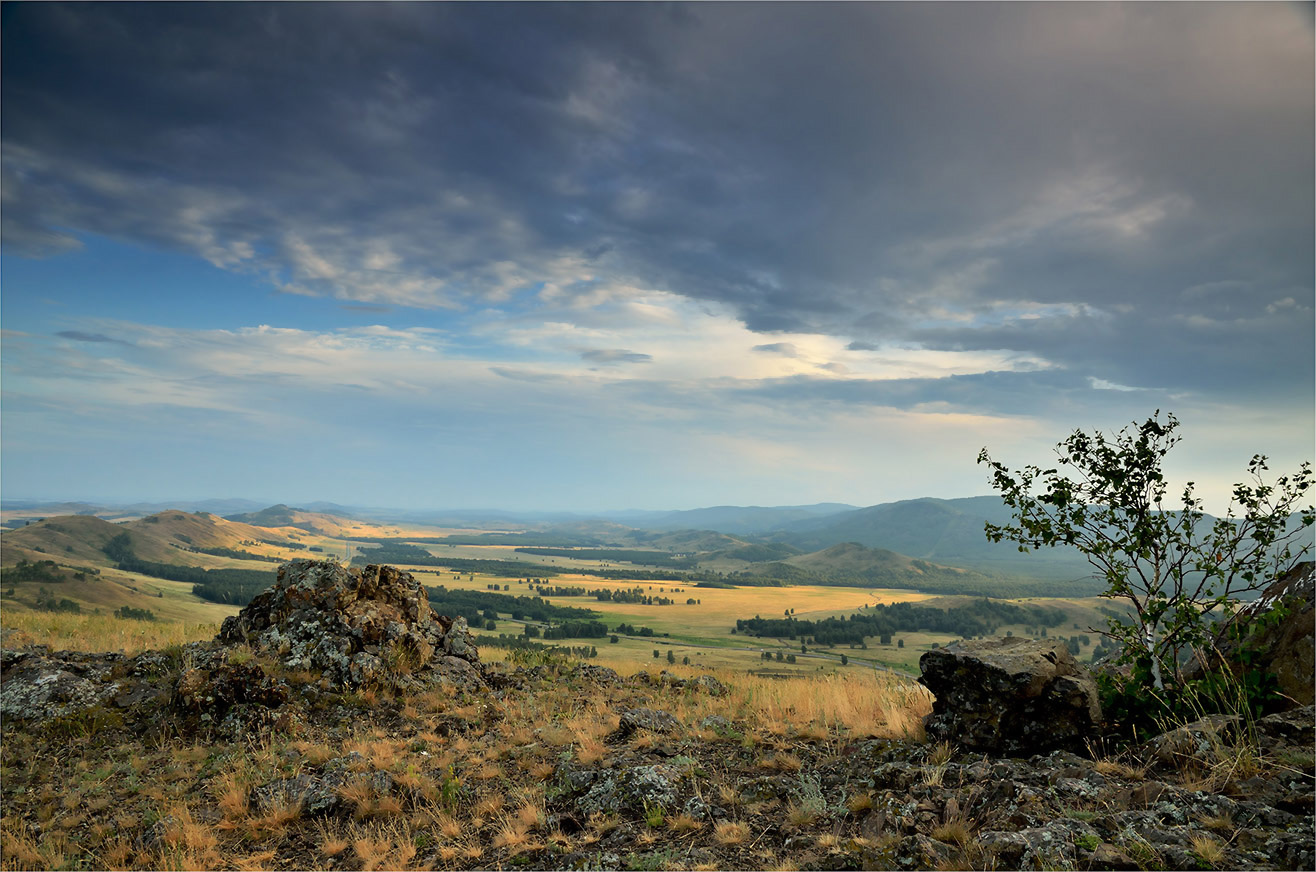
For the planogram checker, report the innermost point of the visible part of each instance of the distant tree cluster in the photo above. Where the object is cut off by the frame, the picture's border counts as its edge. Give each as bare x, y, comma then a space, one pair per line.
474, 605
630, 630
576, 630
129, 613
46, 602
521, 643
401, 554
42, 570
981, 617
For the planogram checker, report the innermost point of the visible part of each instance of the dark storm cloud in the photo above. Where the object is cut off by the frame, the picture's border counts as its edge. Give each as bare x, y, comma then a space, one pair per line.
1124, 190
615, 355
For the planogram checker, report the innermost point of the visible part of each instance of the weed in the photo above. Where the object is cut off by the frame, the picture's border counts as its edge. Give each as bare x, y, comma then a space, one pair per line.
654, 815
1087, 841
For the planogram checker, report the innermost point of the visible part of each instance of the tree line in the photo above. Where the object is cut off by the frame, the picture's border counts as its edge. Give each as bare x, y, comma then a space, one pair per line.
978, 618
472, 605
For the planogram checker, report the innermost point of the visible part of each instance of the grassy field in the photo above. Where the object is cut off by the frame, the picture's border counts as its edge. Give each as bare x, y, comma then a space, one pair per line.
700, 631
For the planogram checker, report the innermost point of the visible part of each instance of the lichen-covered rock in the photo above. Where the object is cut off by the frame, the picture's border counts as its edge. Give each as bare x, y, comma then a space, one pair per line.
356, 626
227, 685
37, 686
1010, 696
1279, 632
635, 789
1194, 741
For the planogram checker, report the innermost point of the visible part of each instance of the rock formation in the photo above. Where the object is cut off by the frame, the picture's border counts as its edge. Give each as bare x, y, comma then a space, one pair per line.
356, 626
1010, 696
1279, 632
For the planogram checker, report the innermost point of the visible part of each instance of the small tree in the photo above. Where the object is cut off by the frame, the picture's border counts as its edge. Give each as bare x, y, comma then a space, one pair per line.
1169, 565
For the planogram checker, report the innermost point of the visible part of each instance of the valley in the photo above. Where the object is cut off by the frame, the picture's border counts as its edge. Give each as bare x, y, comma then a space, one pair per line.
677, 592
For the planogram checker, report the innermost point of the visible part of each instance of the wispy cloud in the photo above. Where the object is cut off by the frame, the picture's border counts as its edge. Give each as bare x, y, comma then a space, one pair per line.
615, 355
80, 336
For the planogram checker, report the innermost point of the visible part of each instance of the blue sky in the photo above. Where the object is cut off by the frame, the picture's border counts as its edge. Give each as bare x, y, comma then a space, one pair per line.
605, 256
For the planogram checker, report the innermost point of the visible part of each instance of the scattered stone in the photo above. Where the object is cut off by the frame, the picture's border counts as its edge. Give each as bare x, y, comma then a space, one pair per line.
648, 719
1010, 696
597, 674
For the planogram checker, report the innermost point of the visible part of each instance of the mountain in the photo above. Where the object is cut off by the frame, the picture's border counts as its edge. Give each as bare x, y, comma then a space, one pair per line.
946, 531
735, 520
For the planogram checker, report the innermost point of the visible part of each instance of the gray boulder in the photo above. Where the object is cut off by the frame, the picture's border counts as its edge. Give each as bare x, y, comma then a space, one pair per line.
1010, 696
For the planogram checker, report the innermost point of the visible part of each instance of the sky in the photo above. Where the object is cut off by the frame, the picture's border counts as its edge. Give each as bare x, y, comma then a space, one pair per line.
591, 257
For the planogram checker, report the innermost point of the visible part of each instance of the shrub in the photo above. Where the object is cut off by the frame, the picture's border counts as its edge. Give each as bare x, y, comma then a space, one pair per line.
1171, 565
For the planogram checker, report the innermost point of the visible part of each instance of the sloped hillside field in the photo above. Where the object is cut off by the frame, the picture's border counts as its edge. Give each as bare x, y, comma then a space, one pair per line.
338, 722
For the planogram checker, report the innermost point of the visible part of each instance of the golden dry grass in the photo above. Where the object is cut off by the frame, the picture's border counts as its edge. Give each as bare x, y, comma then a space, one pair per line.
70, 632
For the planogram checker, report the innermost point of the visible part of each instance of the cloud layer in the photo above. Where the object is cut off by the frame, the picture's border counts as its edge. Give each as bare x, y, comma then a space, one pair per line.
1041, 212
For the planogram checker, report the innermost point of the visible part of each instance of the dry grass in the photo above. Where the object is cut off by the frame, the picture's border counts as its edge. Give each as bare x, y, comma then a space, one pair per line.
389, 845
1208, 848
799, 816
860, 803
186, 843
83, 632
954, 832
488, 808
730, 832
862, 705
782, 762
1120, 770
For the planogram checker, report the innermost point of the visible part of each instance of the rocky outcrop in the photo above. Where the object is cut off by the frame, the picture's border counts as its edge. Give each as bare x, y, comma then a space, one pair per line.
1010, 696
356, 627
1278, 632
36, 685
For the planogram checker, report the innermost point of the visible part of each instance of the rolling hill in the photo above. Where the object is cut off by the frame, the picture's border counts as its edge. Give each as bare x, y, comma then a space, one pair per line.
166, 537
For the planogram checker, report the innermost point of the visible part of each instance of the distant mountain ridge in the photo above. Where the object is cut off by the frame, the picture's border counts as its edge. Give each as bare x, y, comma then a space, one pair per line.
735, 520
949, 532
